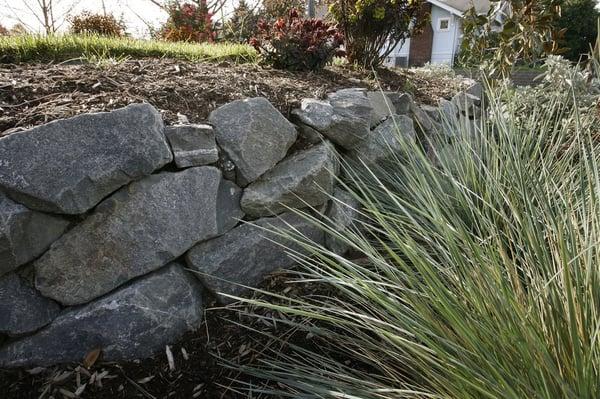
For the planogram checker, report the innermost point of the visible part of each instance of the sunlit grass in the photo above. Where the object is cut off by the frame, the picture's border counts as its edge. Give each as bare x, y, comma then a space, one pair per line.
66, 47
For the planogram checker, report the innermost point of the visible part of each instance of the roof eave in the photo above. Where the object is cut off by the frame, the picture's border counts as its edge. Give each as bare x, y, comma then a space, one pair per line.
446, 7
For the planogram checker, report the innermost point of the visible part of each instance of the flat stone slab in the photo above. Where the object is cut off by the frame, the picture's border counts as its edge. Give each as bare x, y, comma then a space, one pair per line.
385, 141
246, 254
304, 179
68, 166
22, 308
254, 135
132, 323
192, 145
140, 228
25, 234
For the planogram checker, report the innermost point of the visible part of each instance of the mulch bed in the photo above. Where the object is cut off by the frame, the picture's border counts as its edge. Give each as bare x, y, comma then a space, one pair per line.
202, 360
33, 94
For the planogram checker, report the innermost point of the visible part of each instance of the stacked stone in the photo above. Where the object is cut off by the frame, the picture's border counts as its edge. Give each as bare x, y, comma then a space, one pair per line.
113, 228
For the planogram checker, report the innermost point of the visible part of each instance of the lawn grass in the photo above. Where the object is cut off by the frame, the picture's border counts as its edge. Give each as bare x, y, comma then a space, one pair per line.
35, 48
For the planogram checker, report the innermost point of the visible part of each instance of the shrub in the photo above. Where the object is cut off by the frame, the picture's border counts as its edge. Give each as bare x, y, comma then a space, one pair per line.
579, 18
97, 24
189, 23
296, 43
242, 25
528, 34
373, 28
272, 10
3, 31
476, 275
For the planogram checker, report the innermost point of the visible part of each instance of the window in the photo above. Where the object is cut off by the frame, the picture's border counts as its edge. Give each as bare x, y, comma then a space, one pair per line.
444, 24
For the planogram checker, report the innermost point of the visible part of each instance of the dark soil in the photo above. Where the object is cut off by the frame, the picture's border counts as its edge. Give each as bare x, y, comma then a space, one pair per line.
33, 94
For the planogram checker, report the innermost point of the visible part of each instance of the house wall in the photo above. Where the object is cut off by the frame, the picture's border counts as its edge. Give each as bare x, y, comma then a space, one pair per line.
445, 42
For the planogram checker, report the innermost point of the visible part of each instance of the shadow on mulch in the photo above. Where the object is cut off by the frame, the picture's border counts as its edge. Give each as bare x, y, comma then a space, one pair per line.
200, 359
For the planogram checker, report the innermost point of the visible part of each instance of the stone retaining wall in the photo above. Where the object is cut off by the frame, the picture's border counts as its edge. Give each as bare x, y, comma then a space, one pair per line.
115, 228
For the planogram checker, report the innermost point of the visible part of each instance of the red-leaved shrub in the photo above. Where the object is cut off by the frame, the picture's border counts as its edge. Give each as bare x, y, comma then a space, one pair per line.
3, 31
189, 23
296, 43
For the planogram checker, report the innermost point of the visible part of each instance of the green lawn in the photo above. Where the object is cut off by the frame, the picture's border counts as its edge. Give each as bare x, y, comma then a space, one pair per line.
66, 47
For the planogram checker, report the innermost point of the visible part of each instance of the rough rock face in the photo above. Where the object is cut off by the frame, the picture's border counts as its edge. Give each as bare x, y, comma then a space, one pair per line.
193, 145
382, 105
345, 118
25, 234
352, 117
22, 308
139, 229
133, 322
246, 254
254, 135
384, 141
301, 180
68, 166
467, 104
342, 213
314, 113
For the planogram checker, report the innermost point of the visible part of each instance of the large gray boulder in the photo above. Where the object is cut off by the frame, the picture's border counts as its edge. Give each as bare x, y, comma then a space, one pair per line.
302, 180
385, 141
131, 323
139, 229
345, 118
193, 145
352, 117
22, 308
68, 166
254, 135
244, 256
342, 214
382, 106
25, 234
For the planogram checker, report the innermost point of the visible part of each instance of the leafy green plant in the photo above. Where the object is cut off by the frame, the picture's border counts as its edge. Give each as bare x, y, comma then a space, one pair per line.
96, 24
579, 18
528, 31
373, 28
297, 43
477, 271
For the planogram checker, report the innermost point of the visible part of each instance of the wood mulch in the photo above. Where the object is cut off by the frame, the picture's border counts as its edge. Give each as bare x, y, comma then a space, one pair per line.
33, 94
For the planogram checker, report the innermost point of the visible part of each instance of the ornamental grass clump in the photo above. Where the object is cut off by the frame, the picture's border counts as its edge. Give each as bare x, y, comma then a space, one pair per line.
476, 271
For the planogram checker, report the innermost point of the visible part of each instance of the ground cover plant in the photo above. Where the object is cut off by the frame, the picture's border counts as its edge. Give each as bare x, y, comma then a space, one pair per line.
26, 48
475, 272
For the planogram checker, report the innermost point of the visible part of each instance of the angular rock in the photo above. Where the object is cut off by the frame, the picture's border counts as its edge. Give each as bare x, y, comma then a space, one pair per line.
139, 229
309, 134
475, 90
25, 234
254, 135
342, 213
193, 145
422, 121
246, 254
22, 308
352, 118
131, 323
314, 113
301, 180
382, 105
467, 104
68, 166
402, 102
385, 141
